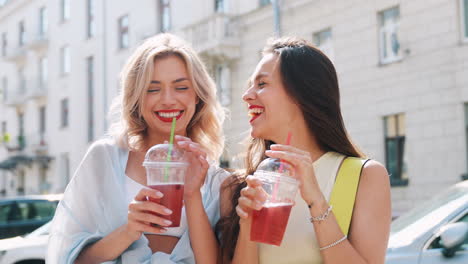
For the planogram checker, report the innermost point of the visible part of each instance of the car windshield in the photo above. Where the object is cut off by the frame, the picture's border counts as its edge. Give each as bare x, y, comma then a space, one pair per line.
41, 231
430, 206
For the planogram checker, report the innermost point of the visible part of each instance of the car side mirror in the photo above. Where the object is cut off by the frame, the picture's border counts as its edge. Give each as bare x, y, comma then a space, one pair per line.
452, 237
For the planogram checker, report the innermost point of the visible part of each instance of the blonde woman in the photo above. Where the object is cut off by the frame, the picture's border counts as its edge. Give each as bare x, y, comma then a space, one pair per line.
104, 215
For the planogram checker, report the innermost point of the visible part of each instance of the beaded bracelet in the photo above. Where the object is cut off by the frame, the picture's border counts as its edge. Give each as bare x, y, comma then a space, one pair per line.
334, 243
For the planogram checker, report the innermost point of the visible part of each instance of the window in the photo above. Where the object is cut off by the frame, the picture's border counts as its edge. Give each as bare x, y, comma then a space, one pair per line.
21, 33
90, 13
4, 93
4, 44
42, 72
65, 60
42, 120
64, 10
21, 138
165, 15
21, 81
223, 83
265, 2
65, 168
5, 138
64, 113
20, 183
221, 6
123, 32
41, 210
395, 149
464, 16
43, 22
323, 41
90, 72
388, 35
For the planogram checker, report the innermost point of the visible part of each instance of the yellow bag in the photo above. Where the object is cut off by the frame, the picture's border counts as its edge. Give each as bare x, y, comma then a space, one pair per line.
344, 191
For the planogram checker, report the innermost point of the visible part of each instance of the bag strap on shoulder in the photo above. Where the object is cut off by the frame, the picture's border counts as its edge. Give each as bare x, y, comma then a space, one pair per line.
344, 191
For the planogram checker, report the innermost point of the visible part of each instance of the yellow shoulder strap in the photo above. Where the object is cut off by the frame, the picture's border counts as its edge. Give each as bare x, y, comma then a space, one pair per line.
344, 191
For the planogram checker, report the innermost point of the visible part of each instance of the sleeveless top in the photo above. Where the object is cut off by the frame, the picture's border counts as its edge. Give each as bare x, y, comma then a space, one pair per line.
133, 187
299, 245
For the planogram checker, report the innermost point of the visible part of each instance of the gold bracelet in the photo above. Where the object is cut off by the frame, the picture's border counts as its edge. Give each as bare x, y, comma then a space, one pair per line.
334, 243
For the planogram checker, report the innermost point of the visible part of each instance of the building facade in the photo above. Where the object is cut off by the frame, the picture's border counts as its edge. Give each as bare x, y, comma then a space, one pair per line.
402, 67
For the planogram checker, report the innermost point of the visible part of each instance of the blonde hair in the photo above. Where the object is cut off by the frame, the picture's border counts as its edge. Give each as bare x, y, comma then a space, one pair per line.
129, 128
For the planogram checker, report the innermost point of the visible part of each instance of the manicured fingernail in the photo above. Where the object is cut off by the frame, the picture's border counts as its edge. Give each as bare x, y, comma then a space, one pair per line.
163, 230
167, 222
167, 211
159, 194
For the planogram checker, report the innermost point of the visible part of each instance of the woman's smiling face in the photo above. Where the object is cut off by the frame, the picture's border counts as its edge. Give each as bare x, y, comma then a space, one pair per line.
271, 109
169, 95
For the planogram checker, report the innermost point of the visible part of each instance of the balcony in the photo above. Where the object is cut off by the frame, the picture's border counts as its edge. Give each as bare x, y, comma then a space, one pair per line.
37, 143
16, 54
39, 42
17, 97
16, 144
215, 36
37, 89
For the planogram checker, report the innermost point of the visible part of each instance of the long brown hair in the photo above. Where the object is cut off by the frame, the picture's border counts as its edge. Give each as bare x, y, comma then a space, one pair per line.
310, 80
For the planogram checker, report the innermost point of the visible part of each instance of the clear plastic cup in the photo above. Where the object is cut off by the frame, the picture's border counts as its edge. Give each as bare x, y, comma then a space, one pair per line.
167, 176
269, 223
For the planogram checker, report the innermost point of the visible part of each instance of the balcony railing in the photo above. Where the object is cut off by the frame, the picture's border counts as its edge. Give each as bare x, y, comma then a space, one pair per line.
16, 54
214, 36
39, 41
37, 143
37, 88
17, 97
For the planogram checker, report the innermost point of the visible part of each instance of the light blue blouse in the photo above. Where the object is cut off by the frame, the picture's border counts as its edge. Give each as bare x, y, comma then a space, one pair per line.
94, 205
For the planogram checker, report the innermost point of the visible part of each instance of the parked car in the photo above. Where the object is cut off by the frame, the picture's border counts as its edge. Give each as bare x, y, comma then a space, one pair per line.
30, 249
22, 215
434, 232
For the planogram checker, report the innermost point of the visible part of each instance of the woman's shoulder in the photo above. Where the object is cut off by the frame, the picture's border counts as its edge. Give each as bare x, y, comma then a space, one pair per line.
103, 145
375, 169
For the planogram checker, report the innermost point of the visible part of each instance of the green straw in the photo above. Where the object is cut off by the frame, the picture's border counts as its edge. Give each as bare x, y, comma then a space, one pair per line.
169, 152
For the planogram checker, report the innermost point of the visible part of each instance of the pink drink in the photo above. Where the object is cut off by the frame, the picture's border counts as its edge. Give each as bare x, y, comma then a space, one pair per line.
172, 199
269, 223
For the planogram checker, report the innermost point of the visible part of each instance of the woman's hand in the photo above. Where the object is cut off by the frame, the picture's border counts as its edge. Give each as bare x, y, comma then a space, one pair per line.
141, 214
198, 167
303, 168
252, 197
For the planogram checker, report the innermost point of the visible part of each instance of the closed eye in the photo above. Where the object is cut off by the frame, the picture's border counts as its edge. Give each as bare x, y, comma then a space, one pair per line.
181, 88
261, 84
153, 90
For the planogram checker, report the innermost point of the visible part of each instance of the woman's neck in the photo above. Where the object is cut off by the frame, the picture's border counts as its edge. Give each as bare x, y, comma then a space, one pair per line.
301, 138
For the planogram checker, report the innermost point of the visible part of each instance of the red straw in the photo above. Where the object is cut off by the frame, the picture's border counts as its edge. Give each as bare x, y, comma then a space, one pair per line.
275, 190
